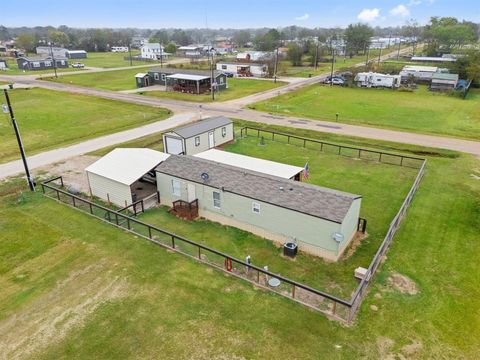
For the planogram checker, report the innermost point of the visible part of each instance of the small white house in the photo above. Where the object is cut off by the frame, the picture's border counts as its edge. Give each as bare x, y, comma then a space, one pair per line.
243, 69
371, 79
119, 49
421, 73
199, 136
152, 51
122, 176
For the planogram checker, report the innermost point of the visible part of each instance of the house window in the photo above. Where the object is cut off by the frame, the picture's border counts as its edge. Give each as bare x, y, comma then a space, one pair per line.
256, 207
221, 80
224, 131
163, 77
216, 200
176, 190
224, 67
48, 63
36, 64
156, 76
197, 140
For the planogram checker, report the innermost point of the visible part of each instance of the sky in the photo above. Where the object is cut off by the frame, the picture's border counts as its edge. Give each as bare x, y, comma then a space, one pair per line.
229, 13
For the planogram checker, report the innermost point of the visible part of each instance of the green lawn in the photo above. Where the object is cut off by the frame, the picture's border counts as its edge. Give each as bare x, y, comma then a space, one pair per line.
74, 287
49, 119
109, 59
237, 88
420, 111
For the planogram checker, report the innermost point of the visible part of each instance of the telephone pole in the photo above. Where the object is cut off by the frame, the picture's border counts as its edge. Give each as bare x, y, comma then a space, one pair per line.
53, 59
275, 68
316, 54
8, 109
333, 63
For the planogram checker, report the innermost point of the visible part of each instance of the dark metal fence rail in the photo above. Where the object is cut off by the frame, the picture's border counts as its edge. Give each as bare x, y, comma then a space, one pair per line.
332, 306
349, 151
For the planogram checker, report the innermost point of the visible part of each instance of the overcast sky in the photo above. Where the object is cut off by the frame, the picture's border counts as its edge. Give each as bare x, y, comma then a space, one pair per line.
229, 14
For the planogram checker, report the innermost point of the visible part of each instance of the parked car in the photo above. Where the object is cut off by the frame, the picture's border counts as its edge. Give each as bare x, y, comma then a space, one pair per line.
78, 65
336, 80
229, 74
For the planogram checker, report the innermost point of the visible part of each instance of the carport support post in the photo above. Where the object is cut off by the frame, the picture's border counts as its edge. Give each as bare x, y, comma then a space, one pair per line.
31, 183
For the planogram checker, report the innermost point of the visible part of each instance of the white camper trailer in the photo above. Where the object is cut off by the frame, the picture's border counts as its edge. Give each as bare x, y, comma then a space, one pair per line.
371, 79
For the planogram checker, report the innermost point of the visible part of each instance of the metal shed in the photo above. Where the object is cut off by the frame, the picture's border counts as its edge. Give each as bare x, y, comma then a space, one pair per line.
198, 136
122, 176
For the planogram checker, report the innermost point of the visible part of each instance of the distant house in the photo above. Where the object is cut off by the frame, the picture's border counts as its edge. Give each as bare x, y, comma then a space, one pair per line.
243, 69
443, 82
375, 80
433, 59
54, 51
419, 73
321, 221
41, 63
199, 136
183, 80
191, 51
119, 49
3, 64
153, 51
77, 54
254, 56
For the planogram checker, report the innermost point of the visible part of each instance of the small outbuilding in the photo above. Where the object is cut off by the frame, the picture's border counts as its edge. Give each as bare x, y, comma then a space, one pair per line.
3, 64
125, 175
40, 63
77, 54
284, 171
198, 136
243, 69
443, 82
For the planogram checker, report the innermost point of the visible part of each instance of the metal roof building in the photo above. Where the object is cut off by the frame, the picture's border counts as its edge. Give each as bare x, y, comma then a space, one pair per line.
268, 167
113, 177
198, 136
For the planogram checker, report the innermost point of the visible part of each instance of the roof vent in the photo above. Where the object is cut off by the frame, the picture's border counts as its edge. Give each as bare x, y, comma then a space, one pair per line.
281, 188
205, 177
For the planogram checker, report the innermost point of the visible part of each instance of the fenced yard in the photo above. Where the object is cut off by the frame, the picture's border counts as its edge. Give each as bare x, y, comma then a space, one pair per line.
331, 305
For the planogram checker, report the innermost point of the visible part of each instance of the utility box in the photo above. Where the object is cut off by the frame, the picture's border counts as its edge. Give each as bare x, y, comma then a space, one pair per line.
360, 272
290, 249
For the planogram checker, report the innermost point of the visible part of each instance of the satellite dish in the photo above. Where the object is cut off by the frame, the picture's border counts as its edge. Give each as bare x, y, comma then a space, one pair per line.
338, 237
205, 176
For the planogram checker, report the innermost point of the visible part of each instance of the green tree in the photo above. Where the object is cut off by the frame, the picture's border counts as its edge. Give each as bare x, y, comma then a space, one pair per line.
160, 36
171, 48
26, 42
268, 41
4, 34
357, 38
59, 38
295, 54
241, 37
447, 34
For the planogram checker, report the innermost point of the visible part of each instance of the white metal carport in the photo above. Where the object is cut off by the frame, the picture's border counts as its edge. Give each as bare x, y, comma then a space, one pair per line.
251, 163
111, 177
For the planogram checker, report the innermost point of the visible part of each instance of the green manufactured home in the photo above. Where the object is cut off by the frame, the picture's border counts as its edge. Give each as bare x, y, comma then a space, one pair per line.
321, 221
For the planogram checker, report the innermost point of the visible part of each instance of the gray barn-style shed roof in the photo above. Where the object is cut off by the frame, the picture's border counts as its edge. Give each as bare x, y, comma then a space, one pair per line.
328, 204
202, 126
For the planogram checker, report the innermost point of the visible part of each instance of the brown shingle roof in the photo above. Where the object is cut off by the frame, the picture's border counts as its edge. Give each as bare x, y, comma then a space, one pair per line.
309, 199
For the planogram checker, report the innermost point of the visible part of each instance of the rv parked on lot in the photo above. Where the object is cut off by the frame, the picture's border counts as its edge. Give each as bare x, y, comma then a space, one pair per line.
371, 79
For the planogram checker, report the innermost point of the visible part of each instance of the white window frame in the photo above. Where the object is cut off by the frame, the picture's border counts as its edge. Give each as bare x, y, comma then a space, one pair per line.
256, 207
156, 76
221, 80
224, 67
176, 188
224, 131
216, 202
197, 140
36, 64
163, 77
48, 63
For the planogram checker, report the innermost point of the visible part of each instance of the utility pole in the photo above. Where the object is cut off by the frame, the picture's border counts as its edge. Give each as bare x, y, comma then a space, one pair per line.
275, 67
316, 55
398, 51
8, 109
161, 55
368, 54
212, 81
380, 54
333, 62
53, 59
130, 52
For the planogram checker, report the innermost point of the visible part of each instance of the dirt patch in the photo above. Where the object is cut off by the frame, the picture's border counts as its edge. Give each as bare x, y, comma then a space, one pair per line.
411, 349
359, 236
403, 284
51, 316
72, 170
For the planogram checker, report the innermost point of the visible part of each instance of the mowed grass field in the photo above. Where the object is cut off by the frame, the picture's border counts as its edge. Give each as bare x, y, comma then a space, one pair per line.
75, 287
421, 111
49, 119
237, 88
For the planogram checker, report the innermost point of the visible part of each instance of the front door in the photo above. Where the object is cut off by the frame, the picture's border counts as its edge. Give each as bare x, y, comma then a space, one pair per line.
191, 192
211, 140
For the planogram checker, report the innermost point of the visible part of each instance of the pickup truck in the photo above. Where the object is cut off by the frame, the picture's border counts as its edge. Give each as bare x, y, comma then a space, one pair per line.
78, 65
